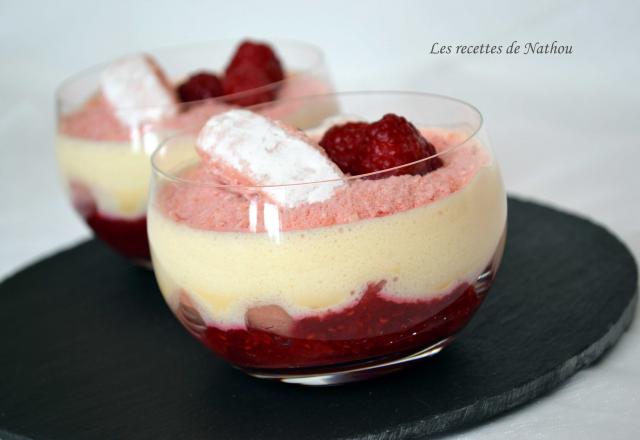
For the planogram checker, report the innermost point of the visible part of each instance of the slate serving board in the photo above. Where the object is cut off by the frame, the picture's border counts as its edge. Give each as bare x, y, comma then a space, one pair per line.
89, 350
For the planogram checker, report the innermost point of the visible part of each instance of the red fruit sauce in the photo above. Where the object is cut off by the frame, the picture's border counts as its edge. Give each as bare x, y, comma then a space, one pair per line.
128, 237
372, 328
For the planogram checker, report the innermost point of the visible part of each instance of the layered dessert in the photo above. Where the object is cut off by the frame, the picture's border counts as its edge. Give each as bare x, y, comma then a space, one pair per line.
105, 141
290, 252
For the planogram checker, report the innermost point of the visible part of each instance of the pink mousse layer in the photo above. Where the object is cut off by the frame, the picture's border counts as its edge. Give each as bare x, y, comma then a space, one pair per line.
97, 121
225, 209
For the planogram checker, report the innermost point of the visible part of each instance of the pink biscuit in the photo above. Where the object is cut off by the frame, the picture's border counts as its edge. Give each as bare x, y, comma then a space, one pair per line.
212, 207
242, 147
138, 90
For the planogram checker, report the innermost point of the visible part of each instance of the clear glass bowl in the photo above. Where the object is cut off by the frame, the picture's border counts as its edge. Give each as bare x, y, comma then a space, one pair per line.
387, 271
105, 165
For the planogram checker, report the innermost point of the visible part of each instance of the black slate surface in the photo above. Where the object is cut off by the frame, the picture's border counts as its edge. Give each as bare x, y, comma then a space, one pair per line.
89, 350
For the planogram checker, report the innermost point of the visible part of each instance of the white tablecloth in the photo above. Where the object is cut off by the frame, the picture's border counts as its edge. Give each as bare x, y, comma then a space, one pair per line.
565, 127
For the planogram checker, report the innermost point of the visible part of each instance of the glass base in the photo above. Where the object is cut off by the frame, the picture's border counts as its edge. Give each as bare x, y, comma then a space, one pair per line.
352, 373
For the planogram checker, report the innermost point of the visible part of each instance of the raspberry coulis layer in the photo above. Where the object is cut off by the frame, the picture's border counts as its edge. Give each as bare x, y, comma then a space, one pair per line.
127, 236
372, 328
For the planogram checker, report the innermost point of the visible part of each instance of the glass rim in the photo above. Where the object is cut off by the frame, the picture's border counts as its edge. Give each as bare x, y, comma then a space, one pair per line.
180, 180
316, 65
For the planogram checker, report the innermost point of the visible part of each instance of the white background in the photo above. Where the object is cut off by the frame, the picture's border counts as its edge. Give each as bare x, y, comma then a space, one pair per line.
565, 128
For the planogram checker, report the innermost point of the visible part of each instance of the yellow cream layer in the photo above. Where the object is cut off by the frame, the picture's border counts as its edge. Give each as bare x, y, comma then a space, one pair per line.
116, 173
420, 253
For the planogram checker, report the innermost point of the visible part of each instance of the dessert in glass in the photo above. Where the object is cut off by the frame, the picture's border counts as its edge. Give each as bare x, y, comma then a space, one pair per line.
111, 118
333, 254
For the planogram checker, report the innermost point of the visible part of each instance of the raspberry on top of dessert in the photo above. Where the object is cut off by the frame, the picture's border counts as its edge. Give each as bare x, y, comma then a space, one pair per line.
362, 148
253, 66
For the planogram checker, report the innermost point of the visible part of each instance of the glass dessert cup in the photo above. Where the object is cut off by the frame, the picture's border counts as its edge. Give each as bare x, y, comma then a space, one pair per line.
385, 272
105, 165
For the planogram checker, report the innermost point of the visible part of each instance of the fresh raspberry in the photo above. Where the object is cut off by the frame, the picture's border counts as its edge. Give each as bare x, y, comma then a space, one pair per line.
343, 144
361, 148
393, 141
258, 55
246, 78
202, 85
253, 65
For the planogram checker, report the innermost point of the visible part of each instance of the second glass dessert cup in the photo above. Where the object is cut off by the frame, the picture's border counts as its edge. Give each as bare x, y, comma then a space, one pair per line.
385, 272
105, 164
